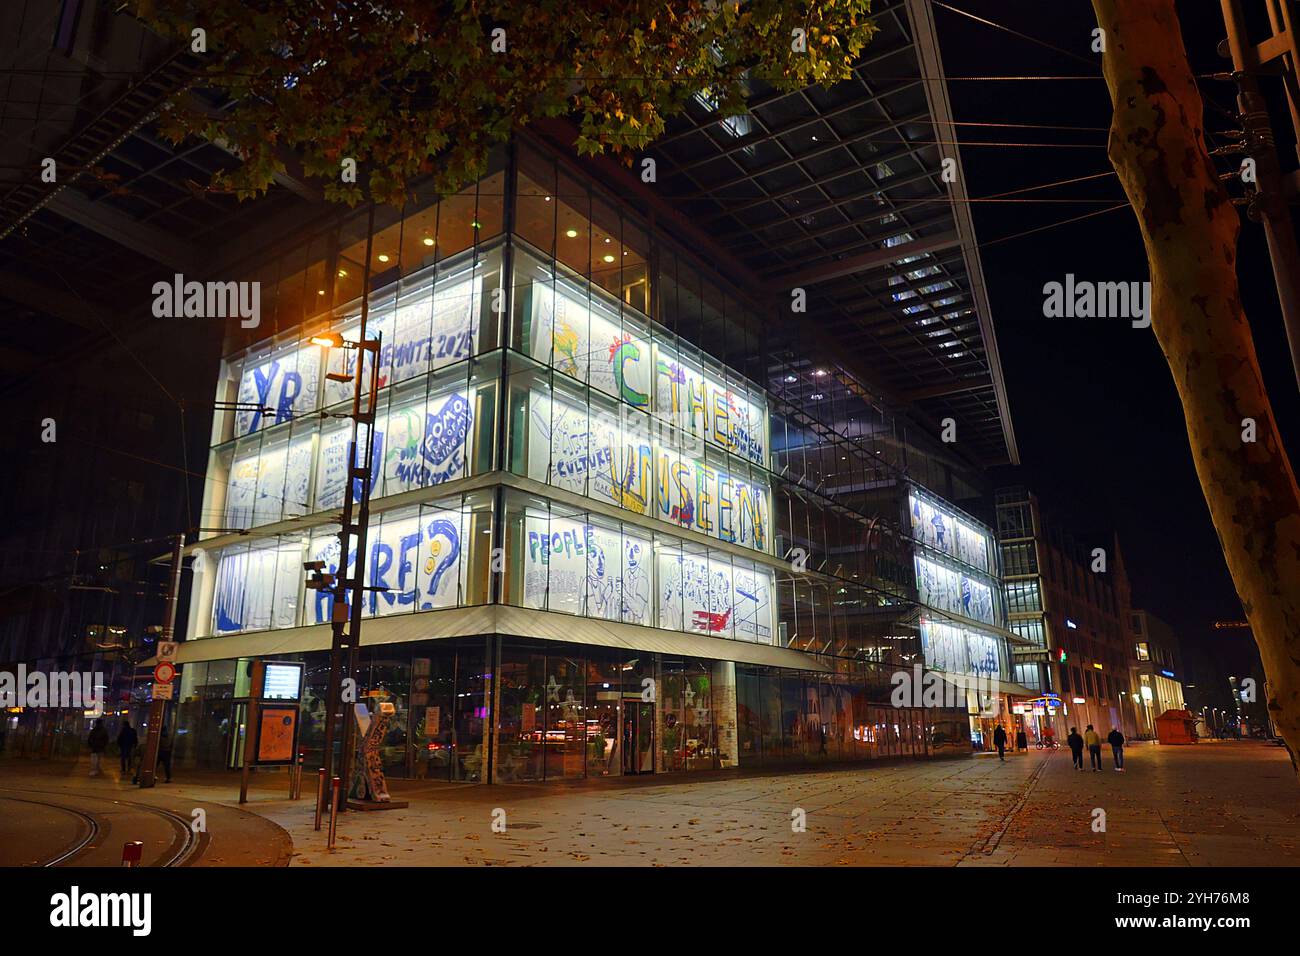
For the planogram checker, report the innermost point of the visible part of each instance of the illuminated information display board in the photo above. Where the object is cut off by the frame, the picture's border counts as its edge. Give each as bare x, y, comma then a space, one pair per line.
282, 681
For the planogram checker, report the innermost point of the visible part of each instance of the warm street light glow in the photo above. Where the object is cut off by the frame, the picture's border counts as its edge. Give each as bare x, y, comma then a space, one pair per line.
328, 340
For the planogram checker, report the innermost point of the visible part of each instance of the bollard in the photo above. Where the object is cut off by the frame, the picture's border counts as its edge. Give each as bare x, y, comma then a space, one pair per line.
334, 810
297, 780
131, 853
320, 795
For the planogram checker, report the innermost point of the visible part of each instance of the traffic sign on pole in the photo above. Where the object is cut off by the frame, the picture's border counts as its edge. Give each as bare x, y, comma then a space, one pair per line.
164, 672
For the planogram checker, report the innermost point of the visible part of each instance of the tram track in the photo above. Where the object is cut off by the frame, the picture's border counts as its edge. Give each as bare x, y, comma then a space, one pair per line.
184, 849
91, 825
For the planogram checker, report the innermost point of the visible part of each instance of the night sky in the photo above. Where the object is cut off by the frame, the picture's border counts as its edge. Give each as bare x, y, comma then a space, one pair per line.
1099, 424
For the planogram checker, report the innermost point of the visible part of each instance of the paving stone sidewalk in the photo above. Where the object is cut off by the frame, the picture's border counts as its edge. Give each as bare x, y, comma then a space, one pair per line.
1213, 804
1230, 803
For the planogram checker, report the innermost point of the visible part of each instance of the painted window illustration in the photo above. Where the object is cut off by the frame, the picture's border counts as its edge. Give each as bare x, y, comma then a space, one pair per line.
285, 382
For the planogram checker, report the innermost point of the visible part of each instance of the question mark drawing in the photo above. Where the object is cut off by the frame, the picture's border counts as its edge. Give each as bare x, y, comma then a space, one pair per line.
449, 555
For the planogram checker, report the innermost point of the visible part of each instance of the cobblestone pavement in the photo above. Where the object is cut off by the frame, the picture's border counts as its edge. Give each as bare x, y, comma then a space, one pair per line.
1230, 803
1213, 804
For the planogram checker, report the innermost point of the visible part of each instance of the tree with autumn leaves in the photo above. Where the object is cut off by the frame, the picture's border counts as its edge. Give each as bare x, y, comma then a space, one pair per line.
415, 88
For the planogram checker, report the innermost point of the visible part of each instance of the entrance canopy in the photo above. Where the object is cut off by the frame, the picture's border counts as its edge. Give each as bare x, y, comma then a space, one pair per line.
499, 619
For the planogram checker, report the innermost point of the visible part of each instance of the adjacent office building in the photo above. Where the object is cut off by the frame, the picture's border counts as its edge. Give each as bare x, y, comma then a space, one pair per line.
1157, 672
1068, 599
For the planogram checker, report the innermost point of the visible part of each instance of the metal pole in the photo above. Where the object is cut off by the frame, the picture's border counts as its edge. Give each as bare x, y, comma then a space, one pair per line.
320, 796
250, 728
158, 708
334, 811
1272, 201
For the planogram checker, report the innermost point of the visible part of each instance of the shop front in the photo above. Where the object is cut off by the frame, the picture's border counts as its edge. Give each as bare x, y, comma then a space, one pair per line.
512, 709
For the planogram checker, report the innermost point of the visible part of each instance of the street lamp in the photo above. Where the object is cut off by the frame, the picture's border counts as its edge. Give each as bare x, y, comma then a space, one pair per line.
328, 340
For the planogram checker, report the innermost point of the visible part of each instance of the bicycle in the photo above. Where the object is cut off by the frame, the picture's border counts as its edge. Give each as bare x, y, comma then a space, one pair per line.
1049, 743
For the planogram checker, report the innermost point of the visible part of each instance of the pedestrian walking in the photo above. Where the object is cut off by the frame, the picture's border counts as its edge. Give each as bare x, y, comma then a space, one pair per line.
1022, 740
1093, 741
98, 743
1116, 740
1076, 747
1000, 741
126, 741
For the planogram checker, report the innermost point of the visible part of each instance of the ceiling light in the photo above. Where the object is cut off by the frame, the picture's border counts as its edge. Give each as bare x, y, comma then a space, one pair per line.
428, 240
343, 273
571, 233
609, 258
383, 257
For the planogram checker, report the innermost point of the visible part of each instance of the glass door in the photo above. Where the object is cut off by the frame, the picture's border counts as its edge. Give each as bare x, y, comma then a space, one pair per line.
638, 735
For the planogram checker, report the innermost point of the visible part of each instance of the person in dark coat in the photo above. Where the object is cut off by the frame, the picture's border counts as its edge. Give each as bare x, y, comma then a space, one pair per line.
1022, 740
164, 761
127, 738
1076, 747
1000, 741
98, 743
1116, 741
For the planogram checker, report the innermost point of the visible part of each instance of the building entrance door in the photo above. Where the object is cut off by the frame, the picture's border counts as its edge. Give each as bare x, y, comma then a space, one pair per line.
638, 736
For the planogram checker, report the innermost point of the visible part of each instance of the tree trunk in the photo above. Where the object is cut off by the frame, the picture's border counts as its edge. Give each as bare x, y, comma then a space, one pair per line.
1189, 226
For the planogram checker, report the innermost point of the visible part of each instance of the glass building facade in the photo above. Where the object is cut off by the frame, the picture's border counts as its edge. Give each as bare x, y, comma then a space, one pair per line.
597, 469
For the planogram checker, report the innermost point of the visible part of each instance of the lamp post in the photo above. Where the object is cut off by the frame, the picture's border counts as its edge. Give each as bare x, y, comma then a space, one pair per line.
345, 615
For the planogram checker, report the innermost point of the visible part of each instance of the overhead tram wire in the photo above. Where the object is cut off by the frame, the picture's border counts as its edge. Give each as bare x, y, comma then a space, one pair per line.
1052, 225
1017, 33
